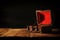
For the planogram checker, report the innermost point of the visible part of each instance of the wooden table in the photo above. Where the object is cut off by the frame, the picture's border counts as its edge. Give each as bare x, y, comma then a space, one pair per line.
9, 32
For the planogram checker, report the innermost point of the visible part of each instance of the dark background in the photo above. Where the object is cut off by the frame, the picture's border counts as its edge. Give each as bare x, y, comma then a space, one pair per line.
17, 14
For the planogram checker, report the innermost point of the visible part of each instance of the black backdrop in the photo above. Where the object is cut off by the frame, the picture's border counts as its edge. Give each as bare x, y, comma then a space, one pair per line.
20, 13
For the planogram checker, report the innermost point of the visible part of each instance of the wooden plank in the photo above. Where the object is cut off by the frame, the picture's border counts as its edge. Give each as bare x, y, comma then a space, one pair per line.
14, 32
11, 32
3, 30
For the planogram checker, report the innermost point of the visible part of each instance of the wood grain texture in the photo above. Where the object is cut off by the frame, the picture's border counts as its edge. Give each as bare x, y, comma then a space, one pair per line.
9, 32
